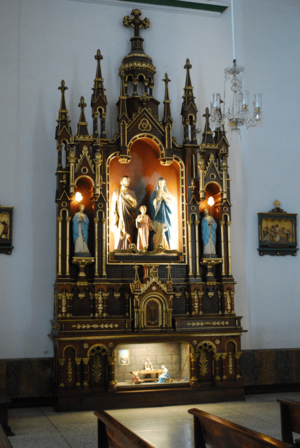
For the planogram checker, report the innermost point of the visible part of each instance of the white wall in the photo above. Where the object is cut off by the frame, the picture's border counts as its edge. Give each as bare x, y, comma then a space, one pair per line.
44, 41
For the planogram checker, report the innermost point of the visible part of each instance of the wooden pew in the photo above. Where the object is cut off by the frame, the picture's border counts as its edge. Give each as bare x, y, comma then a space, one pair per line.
112, 434
290, 420
4, 403
220, 433
4, 442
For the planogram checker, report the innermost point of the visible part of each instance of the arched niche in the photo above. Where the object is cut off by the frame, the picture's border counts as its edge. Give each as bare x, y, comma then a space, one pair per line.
83, 185
212, 189
144, 169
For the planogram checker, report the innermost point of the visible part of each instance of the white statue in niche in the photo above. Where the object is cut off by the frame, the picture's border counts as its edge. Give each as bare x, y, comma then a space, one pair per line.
209, 229
143, 225
123, 205
80, 233
148, 365
160, 214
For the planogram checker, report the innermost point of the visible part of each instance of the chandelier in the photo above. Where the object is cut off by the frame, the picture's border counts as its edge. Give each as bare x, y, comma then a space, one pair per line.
238, 114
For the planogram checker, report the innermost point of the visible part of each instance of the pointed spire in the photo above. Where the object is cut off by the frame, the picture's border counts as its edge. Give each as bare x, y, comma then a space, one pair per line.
188, 89
122, 103
207, 133
63, 118
167, 103
98, 89
82, 125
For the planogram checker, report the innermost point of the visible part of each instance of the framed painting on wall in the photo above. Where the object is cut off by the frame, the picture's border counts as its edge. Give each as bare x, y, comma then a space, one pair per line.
124, 357
6, 230
277, 232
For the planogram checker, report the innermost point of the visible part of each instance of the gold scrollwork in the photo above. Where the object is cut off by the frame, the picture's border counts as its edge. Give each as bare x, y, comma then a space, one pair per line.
201, 324
69, 371
203, 369
230, 363
87, 326
97, 369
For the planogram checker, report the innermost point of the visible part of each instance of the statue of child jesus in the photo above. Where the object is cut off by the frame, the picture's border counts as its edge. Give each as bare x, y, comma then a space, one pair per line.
143, 225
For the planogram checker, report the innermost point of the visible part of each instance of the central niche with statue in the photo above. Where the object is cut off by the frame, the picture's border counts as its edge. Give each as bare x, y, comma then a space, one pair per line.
146, 213
143, 247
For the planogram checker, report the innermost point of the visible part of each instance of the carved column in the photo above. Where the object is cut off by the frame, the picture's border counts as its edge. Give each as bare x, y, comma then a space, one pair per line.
217, 366
61, 364
135, 83
187, 302
92, 297
72, 161
96, 220
232, 302
59, 148
229, 248
201, 169
99, 304
237, 365
97, 161
103, 133
224, 169
59, 255
200, 295
190, 247
86, 373
103, 248
69, 297
95, 124
105, 296
68, 219
224, 356
222, 244
194, 359
197, 249
127, 296
111, 374
78, 372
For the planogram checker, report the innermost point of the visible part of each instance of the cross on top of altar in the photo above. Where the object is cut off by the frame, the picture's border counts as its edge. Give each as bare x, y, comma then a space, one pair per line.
136, 22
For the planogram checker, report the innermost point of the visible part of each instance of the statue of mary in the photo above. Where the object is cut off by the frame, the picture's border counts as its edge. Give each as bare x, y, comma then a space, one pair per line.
209, 228
80, 233
160, 214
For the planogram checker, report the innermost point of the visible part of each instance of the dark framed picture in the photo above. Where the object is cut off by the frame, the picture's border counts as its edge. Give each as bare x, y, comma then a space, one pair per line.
6, 230
277, 232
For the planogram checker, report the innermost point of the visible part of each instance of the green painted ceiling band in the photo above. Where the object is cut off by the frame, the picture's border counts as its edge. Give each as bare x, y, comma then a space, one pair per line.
178, 4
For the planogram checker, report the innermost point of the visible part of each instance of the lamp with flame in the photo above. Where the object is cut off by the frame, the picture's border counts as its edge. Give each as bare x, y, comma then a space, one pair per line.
78, 197
211, 201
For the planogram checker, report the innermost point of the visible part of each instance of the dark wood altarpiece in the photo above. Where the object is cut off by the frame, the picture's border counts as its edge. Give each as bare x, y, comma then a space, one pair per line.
125, 296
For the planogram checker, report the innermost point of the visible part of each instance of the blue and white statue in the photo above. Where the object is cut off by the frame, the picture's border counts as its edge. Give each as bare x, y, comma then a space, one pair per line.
160, 214
209, 229
162, 377
80, 233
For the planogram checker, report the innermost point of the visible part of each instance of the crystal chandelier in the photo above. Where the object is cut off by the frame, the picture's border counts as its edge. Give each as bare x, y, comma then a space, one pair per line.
238, 114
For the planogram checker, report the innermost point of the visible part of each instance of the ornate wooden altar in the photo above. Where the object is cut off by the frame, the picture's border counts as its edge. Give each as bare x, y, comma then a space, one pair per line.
108, 290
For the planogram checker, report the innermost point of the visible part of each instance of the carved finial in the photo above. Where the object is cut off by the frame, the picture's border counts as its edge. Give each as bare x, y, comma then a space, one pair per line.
166, 78
188, 65
136, 22
98, 56
82, 104
277, 203
62, 86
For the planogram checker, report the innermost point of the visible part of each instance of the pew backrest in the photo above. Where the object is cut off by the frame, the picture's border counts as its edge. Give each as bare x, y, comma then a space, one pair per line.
290, 419
112, 434
220, 433
4, 442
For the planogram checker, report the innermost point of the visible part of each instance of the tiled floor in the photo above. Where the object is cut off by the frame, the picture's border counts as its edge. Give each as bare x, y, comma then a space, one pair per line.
163, 427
